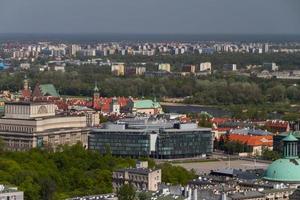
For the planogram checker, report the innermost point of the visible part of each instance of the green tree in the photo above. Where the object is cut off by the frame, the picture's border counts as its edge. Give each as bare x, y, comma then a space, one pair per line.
126, 192
269, 154
48, 188
142, 196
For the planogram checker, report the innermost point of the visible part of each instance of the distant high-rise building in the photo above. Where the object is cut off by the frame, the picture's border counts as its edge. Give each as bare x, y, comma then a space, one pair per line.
266, 48
74, 49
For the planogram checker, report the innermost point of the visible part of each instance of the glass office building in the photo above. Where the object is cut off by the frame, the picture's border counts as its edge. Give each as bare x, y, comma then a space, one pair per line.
174, 143
153, 139
121, 143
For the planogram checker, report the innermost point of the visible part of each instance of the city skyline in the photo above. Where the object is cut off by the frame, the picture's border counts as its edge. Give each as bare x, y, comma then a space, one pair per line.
151, 17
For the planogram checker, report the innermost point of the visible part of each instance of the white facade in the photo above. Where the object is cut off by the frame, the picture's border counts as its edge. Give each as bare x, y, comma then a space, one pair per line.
28, 125
206, 66
28, 110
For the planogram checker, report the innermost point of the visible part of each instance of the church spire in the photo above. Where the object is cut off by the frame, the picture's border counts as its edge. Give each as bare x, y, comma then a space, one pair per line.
96, 96
96, 89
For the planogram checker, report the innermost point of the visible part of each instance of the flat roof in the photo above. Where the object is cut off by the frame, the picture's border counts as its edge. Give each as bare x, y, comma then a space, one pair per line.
143, 171
27, 103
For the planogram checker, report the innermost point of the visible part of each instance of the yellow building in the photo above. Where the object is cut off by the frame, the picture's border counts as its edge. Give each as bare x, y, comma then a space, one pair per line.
164, 67
118, 69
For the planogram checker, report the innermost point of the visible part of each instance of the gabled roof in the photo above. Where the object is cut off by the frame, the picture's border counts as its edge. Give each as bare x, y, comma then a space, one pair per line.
48, 90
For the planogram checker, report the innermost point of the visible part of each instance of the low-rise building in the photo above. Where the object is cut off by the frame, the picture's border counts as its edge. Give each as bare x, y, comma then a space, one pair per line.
141, 177
148, 107
256, 142
10, 193
164, 67
229, 67
277, 126
118, 69
206, 66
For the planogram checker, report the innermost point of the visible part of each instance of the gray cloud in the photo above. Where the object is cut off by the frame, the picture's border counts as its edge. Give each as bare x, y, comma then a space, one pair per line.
150, 16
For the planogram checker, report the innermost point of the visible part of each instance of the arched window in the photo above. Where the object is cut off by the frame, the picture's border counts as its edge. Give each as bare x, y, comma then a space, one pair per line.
42, 110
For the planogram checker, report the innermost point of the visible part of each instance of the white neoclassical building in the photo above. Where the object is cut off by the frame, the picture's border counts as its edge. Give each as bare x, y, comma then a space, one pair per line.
27, 125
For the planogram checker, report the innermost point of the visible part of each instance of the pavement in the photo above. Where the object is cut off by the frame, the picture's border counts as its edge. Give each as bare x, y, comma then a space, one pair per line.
206, 167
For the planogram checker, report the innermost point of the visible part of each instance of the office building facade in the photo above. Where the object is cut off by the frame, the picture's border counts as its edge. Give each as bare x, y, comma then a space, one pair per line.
163, 141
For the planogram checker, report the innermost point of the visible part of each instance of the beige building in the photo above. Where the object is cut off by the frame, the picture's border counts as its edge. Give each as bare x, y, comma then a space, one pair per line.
27, 125
205, 66
164, 67
118, 69
141, 177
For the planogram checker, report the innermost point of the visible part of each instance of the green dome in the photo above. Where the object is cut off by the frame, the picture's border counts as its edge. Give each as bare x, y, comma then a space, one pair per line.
284, 170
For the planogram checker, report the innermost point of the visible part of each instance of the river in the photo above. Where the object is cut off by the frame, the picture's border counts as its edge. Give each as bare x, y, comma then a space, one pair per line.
185, 108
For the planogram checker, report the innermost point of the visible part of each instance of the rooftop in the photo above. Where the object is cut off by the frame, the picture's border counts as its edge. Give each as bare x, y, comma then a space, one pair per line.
290, 138
142, 171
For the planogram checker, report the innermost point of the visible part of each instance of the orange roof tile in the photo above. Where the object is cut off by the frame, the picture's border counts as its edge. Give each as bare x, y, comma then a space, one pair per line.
266, 140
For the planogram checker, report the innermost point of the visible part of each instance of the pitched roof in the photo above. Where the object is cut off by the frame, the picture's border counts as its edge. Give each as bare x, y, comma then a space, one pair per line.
139, 104
290, 138
266, 140
48, 90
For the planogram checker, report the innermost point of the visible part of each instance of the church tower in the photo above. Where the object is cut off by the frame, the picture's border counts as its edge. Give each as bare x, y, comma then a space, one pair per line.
26, 83
26, 92
96, 96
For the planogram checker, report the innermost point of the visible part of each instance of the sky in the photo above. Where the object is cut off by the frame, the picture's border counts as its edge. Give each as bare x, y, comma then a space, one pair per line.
151, 16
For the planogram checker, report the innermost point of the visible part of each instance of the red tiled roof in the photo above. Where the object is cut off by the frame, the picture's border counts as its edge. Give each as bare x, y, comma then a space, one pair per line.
277, 123
219, 120
102, 103
222, 129
252, 140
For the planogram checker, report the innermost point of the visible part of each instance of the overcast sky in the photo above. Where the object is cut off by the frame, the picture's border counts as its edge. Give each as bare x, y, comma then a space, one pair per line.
150, 16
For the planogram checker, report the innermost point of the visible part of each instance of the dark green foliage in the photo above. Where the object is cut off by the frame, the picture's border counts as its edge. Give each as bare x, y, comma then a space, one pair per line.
220, 89
73, 171
176, 174
231, 147
270, 155
126, 192
143, 196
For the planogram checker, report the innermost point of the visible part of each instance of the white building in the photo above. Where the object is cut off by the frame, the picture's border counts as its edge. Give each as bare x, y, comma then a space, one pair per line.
118, 69
206, 66
74, 49
27, 125
10, 193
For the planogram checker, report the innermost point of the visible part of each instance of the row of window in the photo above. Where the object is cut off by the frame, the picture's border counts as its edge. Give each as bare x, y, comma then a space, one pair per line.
21, 129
